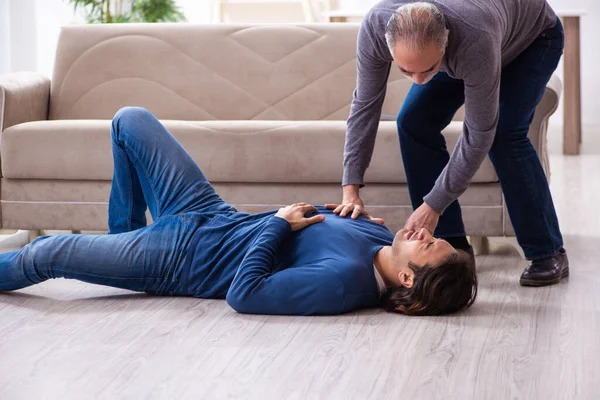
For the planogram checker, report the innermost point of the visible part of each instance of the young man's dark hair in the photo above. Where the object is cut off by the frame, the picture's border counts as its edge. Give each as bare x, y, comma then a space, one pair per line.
447, 288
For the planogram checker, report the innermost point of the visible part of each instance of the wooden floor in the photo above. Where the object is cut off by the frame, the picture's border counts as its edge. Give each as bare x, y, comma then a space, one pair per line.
69, 340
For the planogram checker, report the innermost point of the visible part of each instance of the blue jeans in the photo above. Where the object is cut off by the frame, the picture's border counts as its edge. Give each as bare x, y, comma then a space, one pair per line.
151, 170
429, 108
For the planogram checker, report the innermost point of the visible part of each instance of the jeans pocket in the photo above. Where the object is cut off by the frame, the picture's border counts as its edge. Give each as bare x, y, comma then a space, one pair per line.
555, 36
544, 54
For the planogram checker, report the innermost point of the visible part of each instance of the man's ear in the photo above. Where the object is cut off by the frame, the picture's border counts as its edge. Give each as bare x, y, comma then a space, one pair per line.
406, 279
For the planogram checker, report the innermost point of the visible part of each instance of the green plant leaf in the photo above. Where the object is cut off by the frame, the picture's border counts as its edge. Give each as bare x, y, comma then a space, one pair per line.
157, 11
102, 11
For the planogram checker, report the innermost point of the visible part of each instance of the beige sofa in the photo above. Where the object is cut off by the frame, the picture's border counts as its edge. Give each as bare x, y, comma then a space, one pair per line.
262, 110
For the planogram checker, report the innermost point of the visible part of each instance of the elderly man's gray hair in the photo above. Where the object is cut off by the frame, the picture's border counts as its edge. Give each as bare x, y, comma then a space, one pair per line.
417, 25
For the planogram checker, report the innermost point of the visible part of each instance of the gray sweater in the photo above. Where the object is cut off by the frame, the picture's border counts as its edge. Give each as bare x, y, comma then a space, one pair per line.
485, 35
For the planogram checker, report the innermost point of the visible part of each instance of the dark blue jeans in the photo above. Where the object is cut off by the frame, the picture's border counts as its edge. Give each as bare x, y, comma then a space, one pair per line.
429, 108
151, 170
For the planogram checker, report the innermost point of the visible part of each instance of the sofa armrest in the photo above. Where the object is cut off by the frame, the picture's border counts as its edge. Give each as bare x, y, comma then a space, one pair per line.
550, 100
556, 87
538, 132
24, 97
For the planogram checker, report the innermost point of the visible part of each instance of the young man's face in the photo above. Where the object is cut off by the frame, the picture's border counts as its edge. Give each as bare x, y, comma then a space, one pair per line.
420, 248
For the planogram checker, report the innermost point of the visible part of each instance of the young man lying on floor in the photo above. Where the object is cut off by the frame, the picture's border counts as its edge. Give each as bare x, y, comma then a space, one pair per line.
300, 260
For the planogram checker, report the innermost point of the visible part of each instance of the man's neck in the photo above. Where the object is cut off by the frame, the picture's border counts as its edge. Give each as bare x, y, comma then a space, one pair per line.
384, 265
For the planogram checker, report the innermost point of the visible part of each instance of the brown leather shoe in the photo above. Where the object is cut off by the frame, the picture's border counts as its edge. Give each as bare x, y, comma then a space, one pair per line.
548, 271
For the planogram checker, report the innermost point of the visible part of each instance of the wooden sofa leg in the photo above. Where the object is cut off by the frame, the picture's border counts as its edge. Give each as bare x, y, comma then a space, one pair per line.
481, 245
76, 232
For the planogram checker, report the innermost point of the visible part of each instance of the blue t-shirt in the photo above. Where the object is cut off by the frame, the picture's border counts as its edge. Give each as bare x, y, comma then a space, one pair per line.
262, 267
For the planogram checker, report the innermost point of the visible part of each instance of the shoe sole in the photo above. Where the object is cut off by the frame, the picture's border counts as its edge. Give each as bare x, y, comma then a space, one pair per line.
529, 282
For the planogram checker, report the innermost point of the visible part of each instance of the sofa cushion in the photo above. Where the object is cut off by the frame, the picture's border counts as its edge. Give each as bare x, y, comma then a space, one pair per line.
227, 151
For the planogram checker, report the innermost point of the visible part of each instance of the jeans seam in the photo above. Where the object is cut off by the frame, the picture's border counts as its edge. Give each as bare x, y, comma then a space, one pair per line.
61, 270
543, 220
130, 213
158, 205
27, 275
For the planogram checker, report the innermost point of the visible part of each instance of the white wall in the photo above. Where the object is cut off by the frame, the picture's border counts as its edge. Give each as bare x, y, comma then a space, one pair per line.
197, 11
28, 41
354, 4
590, 57
17, 35
4, 37
50, 16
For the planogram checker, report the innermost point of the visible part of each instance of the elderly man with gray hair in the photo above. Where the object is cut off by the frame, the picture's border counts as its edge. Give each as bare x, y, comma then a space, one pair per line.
493, 56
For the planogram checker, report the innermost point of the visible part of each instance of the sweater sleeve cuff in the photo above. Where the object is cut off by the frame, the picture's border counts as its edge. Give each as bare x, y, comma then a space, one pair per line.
438, 199
280, 225
352, 177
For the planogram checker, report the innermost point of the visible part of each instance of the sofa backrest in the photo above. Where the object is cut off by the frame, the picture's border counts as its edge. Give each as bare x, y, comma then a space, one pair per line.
211, 72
